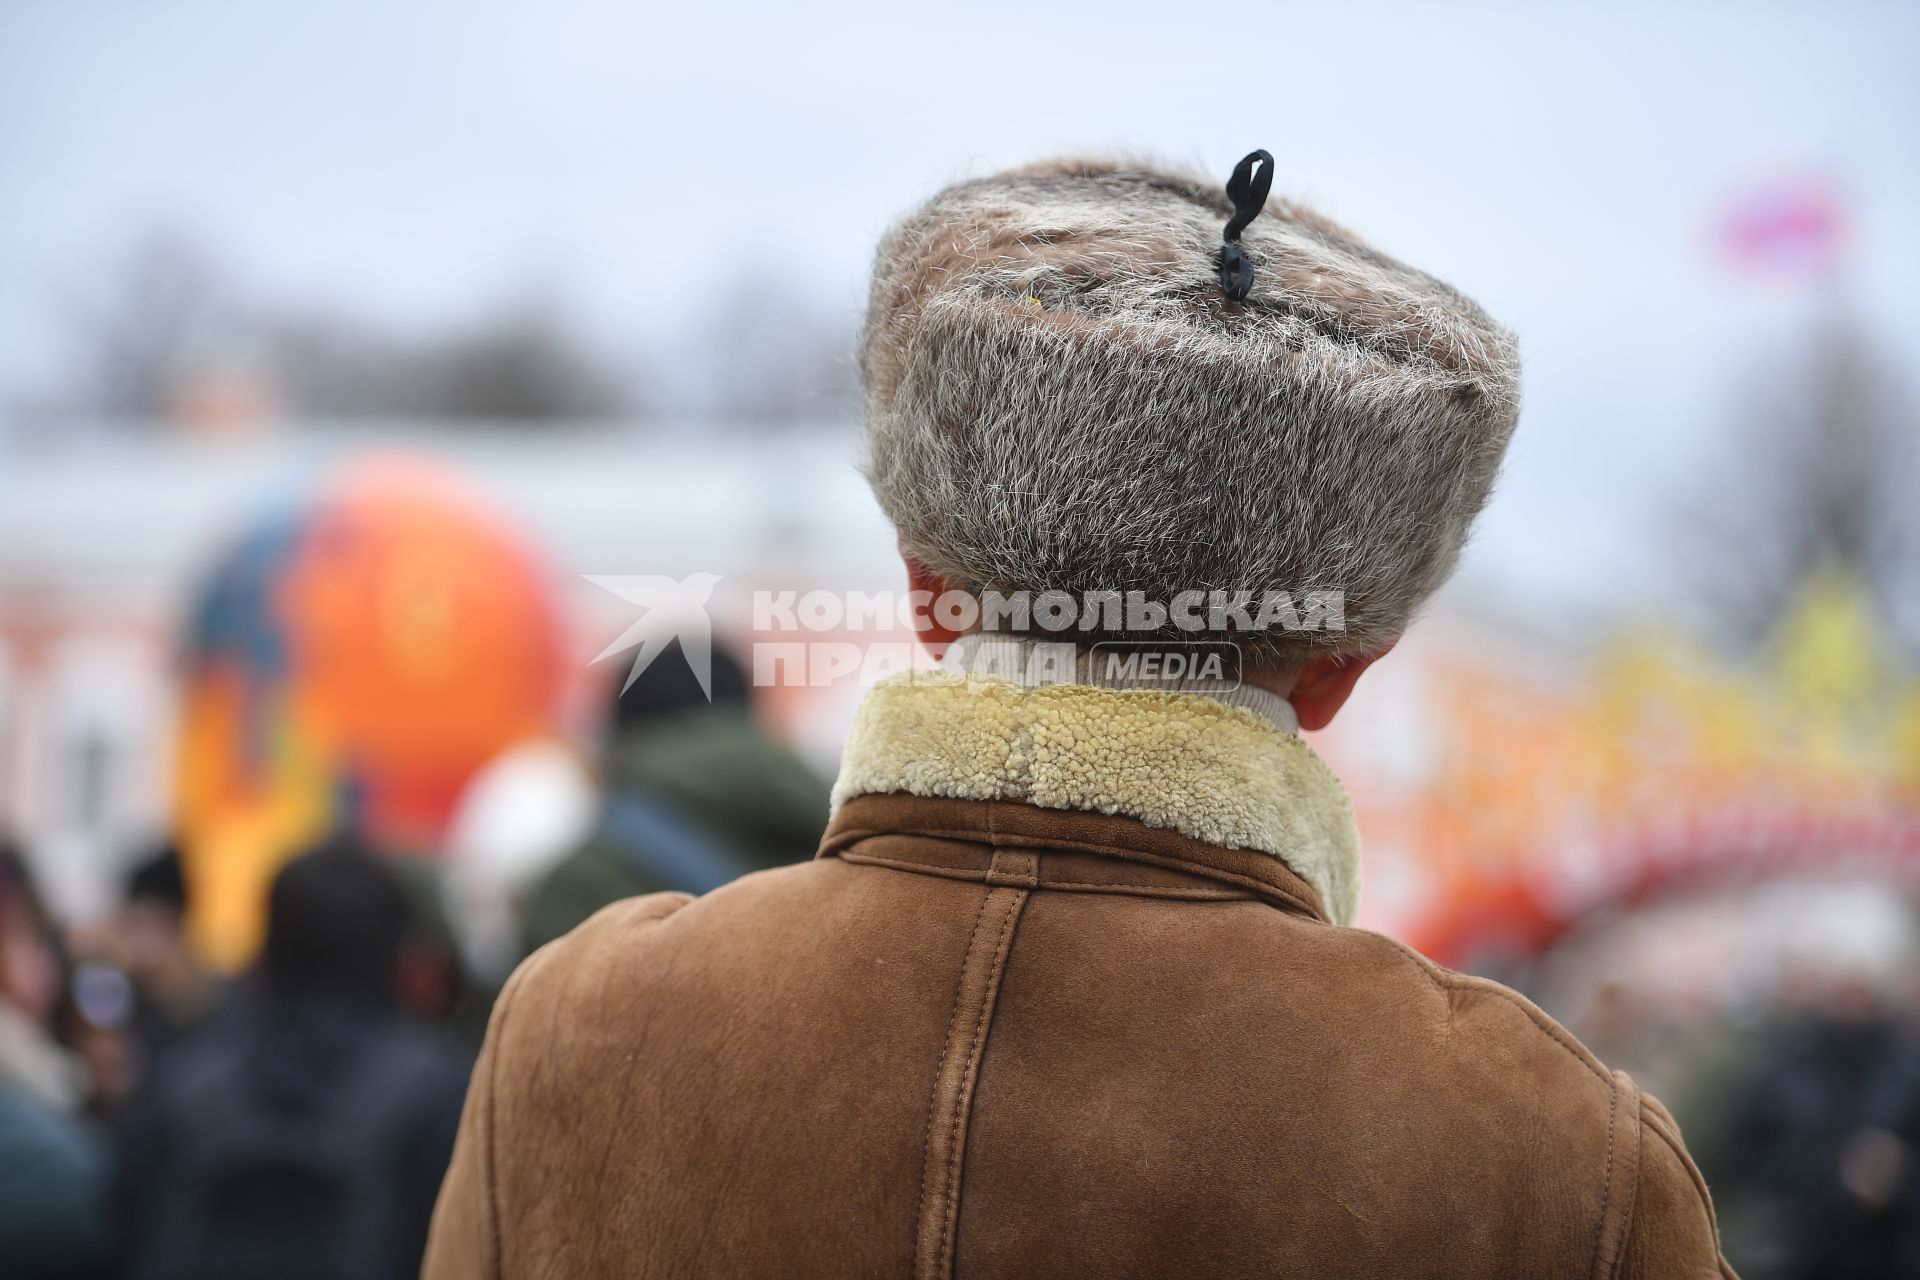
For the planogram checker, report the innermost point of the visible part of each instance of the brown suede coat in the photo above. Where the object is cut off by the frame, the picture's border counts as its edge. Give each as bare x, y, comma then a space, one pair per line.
982, 1038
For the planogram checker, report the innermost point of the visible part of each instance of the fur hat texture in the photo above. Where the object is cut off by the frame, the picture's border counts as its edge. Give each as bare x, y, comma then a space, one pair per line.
1061, 398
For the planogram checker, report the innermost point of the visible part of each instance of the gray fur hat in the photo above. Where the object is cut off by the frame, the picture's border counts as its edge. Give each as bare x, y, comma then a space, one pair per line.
1061, 397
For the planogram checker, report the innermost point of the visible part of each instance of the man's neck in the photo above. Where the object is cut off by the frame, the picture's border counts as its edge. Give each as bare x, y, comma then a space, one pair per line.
1032, 661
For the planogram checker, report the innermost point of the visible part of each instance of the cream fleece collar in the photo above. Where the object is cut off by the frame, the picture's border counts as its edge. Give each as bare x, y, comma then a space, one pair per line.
1181, 761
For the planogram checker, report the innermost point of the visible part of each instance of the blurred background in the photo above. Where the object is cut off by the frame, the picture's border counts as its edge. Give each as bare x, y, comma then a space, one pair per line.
339, 343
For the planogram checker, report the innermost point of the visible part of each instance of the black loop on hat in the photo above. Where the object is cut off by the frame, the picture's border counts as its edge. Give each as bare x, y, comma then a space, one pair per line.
1248, 190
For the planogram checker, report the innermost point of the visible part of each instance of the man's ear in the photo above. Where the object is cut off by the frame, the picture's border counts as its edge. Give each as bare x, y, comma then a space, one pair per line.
935, 637
1324, 686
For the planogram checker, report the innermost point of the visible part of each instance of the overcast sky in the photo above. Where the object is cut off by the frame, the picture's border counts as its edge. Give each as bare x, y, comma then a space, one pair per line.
419, 161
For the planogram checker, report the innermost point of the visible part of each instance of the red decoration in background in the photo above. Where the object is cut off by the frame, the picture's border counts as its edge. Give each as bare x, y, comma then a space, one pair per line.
351, 664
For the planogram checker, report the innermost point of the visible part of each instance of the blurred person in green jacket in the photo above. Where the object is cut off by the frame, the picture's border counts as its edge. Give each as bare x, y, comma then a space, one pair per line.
696, 794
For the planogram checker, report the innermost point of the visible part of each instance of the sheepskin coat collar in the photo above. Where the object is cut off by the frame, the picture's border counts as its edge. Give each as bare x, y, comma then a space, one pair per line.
986, 1038
1189, 763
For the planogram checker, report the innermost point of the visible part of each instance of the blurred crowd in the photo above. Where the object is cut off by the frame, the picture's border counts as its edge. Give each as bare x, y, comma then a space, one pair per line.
1811, 1146
1697, 598
159, 1121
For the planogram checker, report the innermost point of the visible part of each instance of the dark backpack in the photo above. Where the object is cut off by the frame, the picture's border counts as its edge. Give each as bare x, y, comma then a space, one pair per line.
262, 1187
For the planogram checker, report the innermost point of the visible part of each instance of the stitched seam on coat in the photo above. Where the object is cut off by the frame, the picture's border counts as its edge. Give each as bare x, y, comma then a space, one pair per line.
963, 1105
1261, 888
1171, 891
1096, 886
1606, 1186
937, 1264
940, 1072
1679, 1150
489, 1163
1633, 1188
1014, 879
1447, 982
